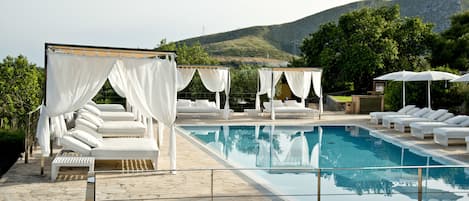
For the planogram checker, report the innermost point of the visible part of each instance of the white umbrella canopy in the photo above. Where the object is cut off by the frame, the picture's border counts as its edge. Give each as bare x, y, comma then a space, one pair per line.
464, 78
398, 76
430, 76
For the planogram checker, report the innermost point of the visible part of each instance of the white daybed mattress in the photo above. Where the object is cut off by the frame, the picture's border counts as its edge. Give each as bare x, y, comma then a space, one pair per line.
119, 148
113, 128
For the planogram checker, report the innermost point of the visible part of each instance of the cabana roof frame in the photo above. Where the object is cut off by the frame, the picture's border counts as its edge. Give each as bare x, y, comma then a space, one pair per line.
202, 67
298, 69
88, 50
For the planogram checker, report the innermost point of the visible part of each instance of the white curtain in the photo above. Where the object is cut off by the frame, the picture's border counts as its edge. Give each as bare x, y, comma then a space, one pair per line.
152, 90
299, 83
214, 80
72, 81
316, 77
117, 82
265, 78
227, 95
184, 77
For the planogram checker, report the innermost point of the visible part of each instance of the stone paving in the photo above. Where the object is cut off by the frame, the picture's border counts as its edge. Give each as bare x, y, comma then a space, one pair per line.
23, 181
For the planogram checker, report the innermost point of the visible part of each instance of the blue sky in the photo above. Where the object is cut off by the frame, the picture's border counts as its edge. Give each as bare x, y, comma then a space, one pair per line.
27, 24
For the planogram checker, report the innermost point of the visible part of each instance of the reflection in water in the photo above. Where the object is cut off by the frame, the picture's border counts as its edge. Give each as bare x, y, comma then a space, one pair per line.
330, 147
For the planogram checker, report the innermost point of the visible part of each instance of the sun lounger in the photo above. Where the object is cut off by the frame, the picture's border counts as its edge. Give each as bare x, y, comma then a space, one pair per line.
425, 129
92, 123
450, 135
111, 148
109, 107
376, 117
416, 112
401, 124
108, 116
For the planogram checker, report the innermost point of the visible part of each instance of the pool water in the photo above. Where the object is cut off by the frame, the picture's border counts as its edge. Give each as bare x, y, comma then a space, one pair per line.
283, 147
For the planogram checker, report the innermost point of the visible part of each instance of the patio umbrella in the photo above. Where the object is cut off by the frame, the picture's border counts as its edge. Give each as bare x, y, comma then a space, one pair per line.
464, 78
430, 76
398, 76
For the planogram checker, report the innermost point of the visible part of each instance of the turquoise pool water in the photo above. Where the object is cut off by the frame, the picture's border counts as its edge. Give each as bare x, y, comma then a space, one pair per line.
330, 147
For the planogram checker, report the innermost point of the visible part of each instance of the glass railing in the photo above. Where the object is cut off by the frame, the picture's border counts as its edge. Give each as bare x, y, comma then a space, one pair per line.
443, 182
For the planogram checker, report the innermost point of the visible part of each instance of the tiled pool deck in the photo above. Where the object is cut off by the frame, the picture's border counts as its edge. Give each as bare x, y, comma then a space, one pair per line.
23, 181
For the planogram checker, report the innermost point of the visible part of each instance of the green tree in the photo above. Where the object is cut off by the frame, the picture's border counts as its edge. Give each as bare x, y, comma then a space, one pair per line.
365, 44
20, 89
452, 46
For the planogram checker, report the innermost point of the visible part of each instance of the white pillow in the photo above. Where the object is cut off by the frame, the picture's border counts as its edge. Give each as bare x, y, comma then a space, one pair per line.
278, 103
437, 114
445, 117
91, 118
202, 103
464, 123
293, 103
87, 138
83, 123
457, 119
92, 103
70, 143
183, 103
93, 109
89, 129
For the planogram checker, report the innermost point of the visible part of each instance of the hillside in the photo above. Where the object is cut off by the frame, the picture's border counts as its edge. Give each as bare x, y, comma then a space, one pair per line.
282, 41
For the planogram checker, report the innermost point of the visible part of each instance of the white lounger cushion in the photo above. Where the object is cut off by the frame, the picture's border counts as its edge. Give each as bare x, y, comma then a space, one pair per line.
457, 119
292, 110
131, 148
73, 144
293, 103
401, 111
117, 116
122, 127
198, 110
90, 117
445, 117
110, 107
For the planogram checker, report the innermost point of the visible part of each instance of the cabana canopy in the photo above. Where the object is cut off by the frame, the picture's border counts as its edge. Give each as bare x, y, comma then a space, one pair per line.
75, 74
214, 78
298, 79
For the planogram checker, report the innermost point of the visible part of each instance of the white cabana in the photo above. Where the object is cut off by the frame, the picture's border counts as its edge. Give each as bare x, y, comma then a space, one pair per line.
298, 79
214, 78
74, 73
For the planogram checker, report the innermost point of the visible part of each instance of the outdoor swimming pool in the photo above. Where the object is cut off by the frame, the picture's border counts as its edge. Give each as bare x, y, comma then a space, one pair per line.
330, 147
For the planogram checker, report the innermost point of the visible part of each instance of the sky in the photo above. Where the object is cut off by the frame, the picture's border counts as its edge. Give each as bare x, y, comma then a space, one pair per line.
27, 24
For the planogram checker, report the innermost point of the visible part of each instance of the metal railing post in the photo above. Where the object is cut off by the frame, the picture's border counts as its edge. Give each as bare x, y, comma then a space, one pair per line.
91, 187
319, 185
419, 184
211, 183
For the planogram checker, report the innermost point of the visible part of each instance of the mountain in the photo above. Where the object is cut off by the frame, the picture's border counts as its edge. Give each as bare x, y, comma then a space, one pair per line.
282, 41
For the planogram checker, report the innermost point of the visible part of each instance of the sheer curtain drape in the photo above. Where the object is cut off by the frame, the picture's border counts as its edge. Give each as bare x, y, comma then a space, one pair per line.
299, 83
184, 77
265, 78
72, 81
214, 80
316, 77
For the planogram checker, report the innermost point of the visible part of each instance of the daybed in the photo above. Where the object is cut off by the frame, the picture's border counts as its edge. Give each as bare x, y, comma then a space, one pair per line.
91, 123
401, 124
289, 107
198, 107
450, 135
376, 117
425, 129
111, 148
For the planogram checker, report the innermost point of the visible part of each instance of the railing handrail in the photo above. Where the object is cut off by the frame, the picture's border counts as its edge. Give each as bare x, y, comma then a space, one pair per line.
291, 169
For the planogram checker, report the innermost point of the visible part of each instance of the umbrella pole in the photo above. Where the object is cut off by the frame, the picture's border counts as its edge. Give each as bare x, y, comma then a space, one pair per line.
429, 97
403, 93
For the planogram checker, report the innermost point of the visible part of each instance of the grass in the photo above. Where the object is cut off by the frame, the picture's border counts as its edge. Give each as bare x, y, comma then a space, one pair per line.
342, 99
